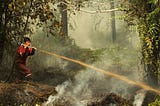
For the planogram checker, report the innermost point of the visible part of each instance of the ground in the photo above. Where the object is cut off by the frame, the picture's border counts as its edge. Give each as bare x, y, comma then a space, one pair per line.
28, 93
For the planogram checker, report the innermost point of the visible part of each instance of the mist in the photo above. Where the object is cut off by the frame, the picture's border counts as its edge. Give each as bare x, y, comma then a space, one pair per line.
122, 57
91, 31
94, 30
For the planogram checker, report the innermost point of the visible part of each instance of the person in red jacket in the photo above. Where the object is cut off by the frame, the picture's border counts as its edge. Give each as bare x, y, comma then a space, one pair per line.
24, 50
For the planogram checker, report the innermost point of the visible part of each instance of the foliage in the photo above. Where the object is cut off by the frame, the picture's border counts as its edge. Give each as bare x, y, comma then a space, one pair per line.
155, 103
21, 16
145, 14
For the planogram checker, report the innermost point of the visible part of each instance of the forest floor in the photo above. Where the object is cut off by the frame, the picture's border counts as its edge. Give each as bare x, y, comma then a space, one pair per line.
24, 93
32, 93
37, 93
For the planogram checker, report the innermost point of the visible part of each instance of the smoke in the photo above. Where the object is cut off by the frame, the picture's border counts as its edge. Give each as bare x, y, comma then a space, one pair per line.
93, 31
139, 97
121, 58
65, 96
89, 83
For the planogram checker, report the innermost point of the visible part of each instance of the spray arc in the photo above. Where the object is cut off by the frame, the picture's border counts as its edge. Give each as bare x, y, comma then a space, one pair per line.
117, 76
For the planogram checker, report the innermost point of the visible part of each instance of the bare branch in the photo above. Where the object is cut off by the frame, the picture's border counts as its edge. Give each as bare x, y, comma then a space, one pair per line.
70, 5
99, 11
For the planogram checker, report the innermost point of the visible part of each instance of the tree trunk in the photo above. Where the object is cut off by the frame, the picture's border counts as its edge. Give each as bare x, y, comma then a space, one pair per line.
64, 20
2, 36
113, 22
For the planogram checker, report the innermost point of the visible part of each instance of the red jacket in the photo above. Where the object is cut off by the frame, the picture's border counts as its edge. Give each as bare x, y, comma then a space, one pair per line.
23, 53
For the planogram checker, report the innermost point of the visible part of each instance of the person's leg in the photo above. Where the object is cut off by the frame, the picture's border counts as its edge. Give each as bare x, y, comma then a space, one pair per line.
23, 70
19, 77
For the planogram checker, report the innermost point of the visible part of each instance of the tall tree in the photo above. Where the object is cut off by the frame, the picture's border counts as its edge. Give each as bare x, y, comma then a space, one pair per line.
3, 23
113, 21
17, 15
146, 14
64, 19
1, 35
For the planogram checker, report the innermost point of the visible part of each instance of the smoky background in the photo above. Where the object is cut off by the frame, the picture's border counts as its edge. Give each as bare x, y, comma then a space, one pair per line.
89, 32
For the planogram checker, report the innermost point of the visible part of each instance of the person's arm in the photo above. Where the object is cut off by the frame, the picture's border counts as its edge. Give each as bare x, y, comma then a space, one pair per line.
21, 50
32, 51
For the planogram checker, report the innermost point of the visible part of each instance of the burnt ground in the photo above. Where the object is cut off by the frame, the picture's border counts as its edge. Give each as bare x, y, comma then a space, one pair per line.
150, 97
109, 99
28, 93
31, 93
112, 98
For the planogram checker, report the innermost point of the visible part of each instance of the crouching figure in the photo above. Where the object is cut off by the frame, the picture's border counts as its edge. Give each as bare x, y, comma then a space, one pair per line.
24, 50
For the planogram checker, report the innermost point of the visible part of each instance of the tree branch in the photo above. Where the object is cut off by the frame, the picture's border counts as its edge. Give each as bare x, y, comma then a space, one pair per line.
69, 5
27, 20
99, 11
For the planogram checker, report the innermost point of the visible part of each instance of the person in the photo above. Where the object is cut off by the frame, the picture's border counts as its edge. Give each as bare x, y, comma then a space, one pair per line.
24, 50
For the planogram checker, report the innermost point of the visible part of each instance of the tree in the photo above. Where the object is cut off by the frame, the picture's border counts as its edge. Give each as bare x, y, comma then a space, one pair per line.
16, 17
64, 19
2, 32
113, 25
146, 14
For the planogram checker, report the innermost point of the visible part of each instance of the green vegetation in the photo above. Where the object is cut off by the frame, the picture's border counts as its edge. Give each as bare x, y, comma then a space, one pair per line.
155, 103
145, 14
23, 17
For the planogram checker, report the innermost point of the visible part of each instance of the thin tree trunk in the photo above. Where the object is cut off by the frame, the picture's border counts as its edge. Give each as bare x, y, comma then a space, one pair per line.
113, 22
2, 36
64, 20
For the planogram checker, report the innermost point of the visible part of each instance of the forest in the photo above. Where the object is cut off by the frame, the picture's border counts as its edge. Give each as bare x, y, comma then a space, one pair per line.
79, 52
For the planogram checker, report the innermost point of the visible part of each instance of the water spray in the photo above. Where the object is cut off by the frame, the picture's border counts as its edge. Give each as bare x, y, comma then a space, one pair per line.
117, 76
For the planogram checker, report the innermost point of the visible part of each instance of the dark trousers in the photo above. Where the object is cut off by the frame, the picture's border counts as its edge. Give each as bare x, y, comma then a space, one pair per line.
23, 70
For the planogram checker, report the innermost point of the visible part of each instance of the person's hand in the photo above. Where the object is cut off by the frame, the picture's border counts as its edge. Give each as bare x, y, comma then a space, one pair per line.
34, 48
21, 54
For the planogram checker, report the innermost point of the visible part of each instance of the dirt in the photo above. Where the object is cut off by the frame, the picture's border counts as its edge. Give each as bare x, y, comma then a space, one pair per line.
149, 98
24, 93
108, 99
31, 93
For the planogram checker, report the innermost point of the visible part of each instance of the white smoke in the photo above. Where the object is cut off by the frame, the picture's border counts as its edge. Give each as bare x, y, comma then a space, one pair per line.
139, 97
65, 96
78, 92
94, 32
87, 84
